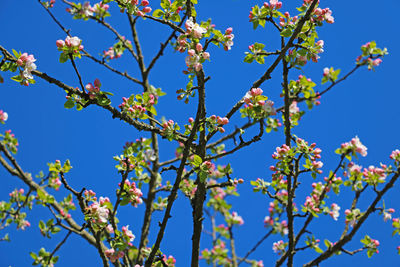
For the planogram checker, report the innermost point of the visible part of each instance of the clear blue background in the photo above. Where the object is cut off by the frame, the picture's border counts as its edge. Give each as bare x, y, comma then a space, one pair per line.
365, 105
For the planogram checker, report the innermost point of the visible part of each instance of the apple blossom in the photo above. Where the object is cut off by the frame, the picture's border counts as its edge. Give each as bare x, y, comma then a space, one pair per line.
334, 213
3, 116
279, 247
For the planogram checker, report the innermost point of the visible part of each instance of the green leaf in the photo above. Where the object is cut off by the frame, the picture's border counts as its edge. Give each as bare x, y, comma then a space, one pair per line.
104, 101
153, 111
255, 24
197, 160
249, 58
318, 250
175, 17
17, 78
327, 243
286, 32
144, 117
49, 222
55, 230
107, 93
124, 202
158, 13
41, 194
63, 58
33, 255
16, 54
67, 166
260, 60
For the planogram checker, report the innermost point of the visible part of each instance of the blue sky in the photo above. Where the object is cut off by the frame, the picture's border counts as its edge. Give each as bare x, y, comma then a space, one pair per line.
365, 105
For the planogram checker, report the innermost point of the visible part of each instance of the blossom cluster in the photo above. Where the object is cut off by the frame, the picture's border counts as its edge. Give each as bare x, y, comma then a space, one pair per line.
169, 129
170, 261
49, 4
122, 241
329, 74
321, 15
279, 247
227, 39
18, 217
85, 10
114, 255
353, 147
196, 56
170, 10
258, 14
10, 141
287, 20
387, 214
301, 56
273, 4
136, 106
314, 202
93, 89
54, 181
98, 211
101, 10
303, 87
135, 155
190, 42
218, 254
256, 105
131, 194
215, 123
371, 245
371, 55
256, 53
26, 62
134, 7
352, 216
278, 227
375, 175
395, 155
70, 47
117, 50
234, 218
188, 188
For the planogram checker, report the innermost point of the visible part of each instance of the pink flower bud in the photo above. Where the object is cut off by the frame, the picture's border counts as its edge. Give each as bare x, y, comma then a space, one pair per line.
147, 9
191, 52
199, 47
228, 31
60, 43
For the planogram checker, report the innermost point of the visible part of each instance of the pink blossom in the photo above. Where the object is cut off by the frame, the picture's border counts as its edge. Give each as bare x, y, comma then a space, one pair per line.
60, 43
147, 9
199, 47
326, 71
377, 62
3, 116
228, 31
293, 108
72, 41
